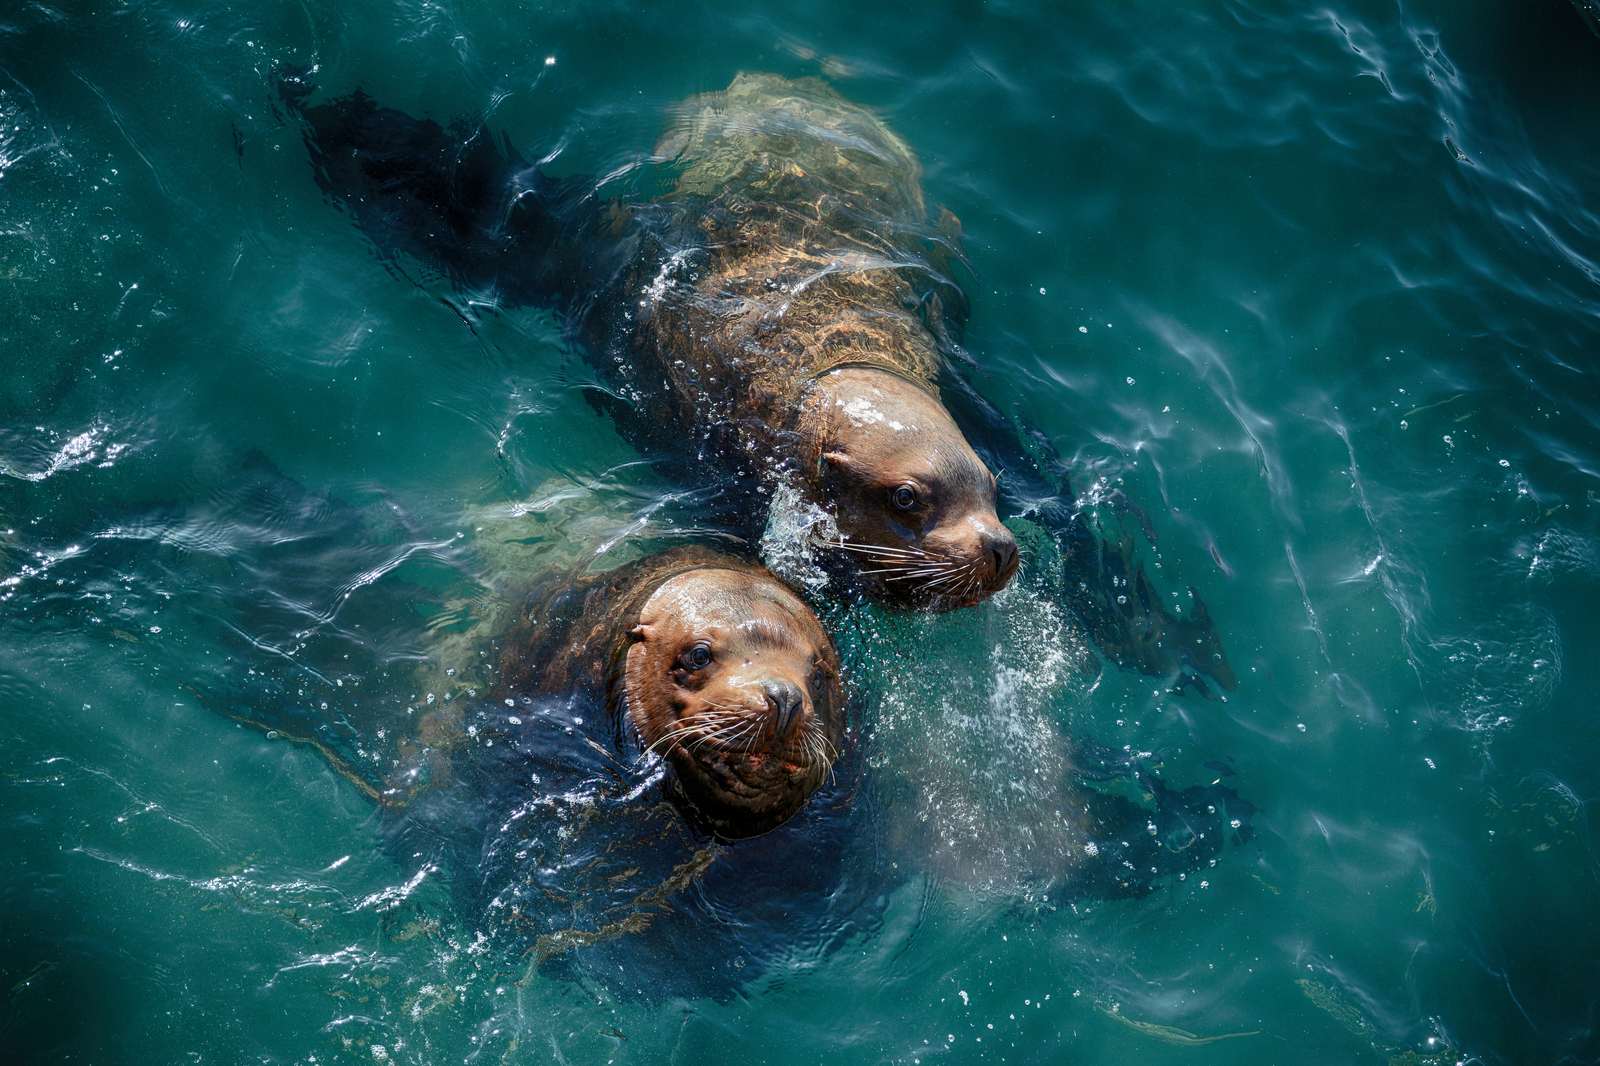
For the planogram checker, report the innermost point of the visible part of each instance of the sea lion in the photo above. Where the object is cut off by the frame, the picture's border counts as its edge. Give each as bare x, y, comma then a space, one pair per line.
491, 736
779, 309
715, 667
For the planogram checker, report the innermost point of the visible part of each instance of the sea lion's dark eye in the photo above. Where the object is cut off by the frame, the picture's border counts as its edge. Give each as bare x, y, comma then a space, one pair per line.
904, 497
697, 657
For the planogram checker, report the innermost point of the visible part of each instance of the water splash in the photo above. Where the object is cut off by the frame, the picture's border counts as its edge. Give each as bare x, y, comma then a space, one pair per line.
796, 529
969, 735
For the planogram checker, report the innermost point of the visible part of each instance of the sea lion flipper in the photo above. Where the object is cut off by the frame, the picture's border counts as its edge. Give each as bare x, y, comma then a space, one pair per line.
1103, 581
1137, 847
460, 201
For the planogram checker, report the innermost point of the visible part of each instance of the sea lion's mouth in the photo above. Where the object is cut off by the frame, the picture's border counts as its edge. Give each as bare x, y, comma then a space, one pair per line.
741, 771
754, 743
738, 777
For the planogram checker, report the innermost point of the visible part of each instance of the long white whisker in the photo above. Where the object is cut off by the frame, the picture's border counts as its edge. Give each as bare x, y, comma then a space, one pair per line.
906, 572
893, 555
877, 549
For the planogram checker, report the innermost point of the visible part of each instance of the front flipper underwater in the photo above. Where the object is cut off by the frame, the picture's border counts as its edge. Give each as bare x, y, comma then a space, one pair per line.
1102, 581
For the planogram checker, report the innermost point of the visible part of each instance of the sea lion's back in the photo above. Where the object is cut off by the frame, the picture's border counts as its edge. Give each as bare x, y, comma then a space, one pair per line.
791, 140
806, 247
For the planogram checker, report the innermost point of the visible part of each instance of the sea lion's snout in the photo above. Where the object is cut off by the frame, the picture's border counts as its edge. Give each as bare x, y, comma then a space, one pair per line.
786, 703
979, 557
1001, 548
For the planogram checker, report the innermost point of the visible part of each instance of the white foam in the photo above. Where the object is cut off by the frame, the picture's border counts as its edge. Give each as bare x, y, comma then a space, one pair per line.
796, 529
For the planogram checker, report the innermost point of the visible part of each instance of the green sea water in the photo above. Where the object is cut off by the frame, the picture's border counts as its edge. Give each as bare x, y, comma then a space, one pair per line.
1316, 286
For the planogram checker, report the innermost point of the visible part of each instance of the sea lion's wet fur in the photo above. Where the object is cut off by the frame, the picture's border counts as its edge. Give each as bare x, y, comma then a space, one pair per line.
803, 207
744, 762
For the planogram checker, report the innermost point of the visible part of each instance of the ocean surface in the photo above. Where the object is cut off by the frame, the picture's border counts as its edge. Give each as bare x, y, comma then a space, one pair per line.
1316, 286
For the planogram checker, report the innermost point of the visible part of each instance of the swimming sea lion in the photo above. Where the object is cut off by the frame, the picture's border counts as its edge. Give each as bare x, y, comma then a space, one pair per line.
779, 309
566, 833
711, 663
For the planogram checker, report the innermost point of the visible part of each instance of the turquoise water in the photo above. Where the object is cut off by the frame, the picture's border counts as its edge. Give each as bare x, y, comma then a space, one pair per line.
1315, 286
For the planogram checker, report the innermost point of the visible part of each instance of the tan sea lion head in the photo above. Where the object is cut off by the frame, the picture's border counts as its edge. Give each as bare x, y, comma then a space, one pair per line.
914, 504
731, 679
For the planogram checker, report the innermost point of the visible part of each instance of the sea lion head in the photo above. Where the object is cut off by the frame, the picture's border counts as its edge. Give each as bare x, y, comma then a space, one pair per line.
731, 679
913, 502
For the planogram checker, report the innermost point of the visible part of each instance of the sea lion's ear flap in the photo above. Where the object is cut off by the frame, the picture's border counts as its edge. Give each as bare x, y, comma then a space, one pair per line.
641, 632
835, 459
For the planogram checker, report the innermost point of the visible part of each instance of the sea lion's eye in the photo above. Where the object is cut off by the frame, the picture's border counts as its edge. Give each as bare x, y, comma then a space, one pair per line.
697, 657
904, 498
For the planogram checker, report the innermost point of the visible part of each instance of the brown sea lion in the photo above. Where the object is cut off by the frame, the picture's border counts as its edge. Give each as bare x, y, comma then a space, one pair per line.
780, 309
799, 325
712, 663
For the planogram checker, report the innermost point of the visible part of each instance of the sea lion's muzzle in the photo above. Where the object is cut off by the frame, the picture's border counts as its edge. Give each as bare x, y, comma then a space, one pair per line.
997, 549
787, 705
975, 558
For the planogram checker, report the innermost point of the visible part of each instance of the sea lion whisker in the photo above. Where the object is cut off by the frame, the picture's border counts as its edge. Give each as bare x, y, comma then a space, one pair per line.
971, 583
730, 734
914, 577
905, 571
666, 740
748, 731
902, 562
930, 565
751, 735
696, 725
952, 576
725, 733
884, 551
824, 758
724, 707
822, 746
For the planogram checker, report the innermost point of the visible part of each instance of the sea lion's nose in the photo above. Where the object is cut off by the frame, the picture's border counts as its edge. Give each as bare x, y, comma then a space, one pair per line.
1001, 548
786, 701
